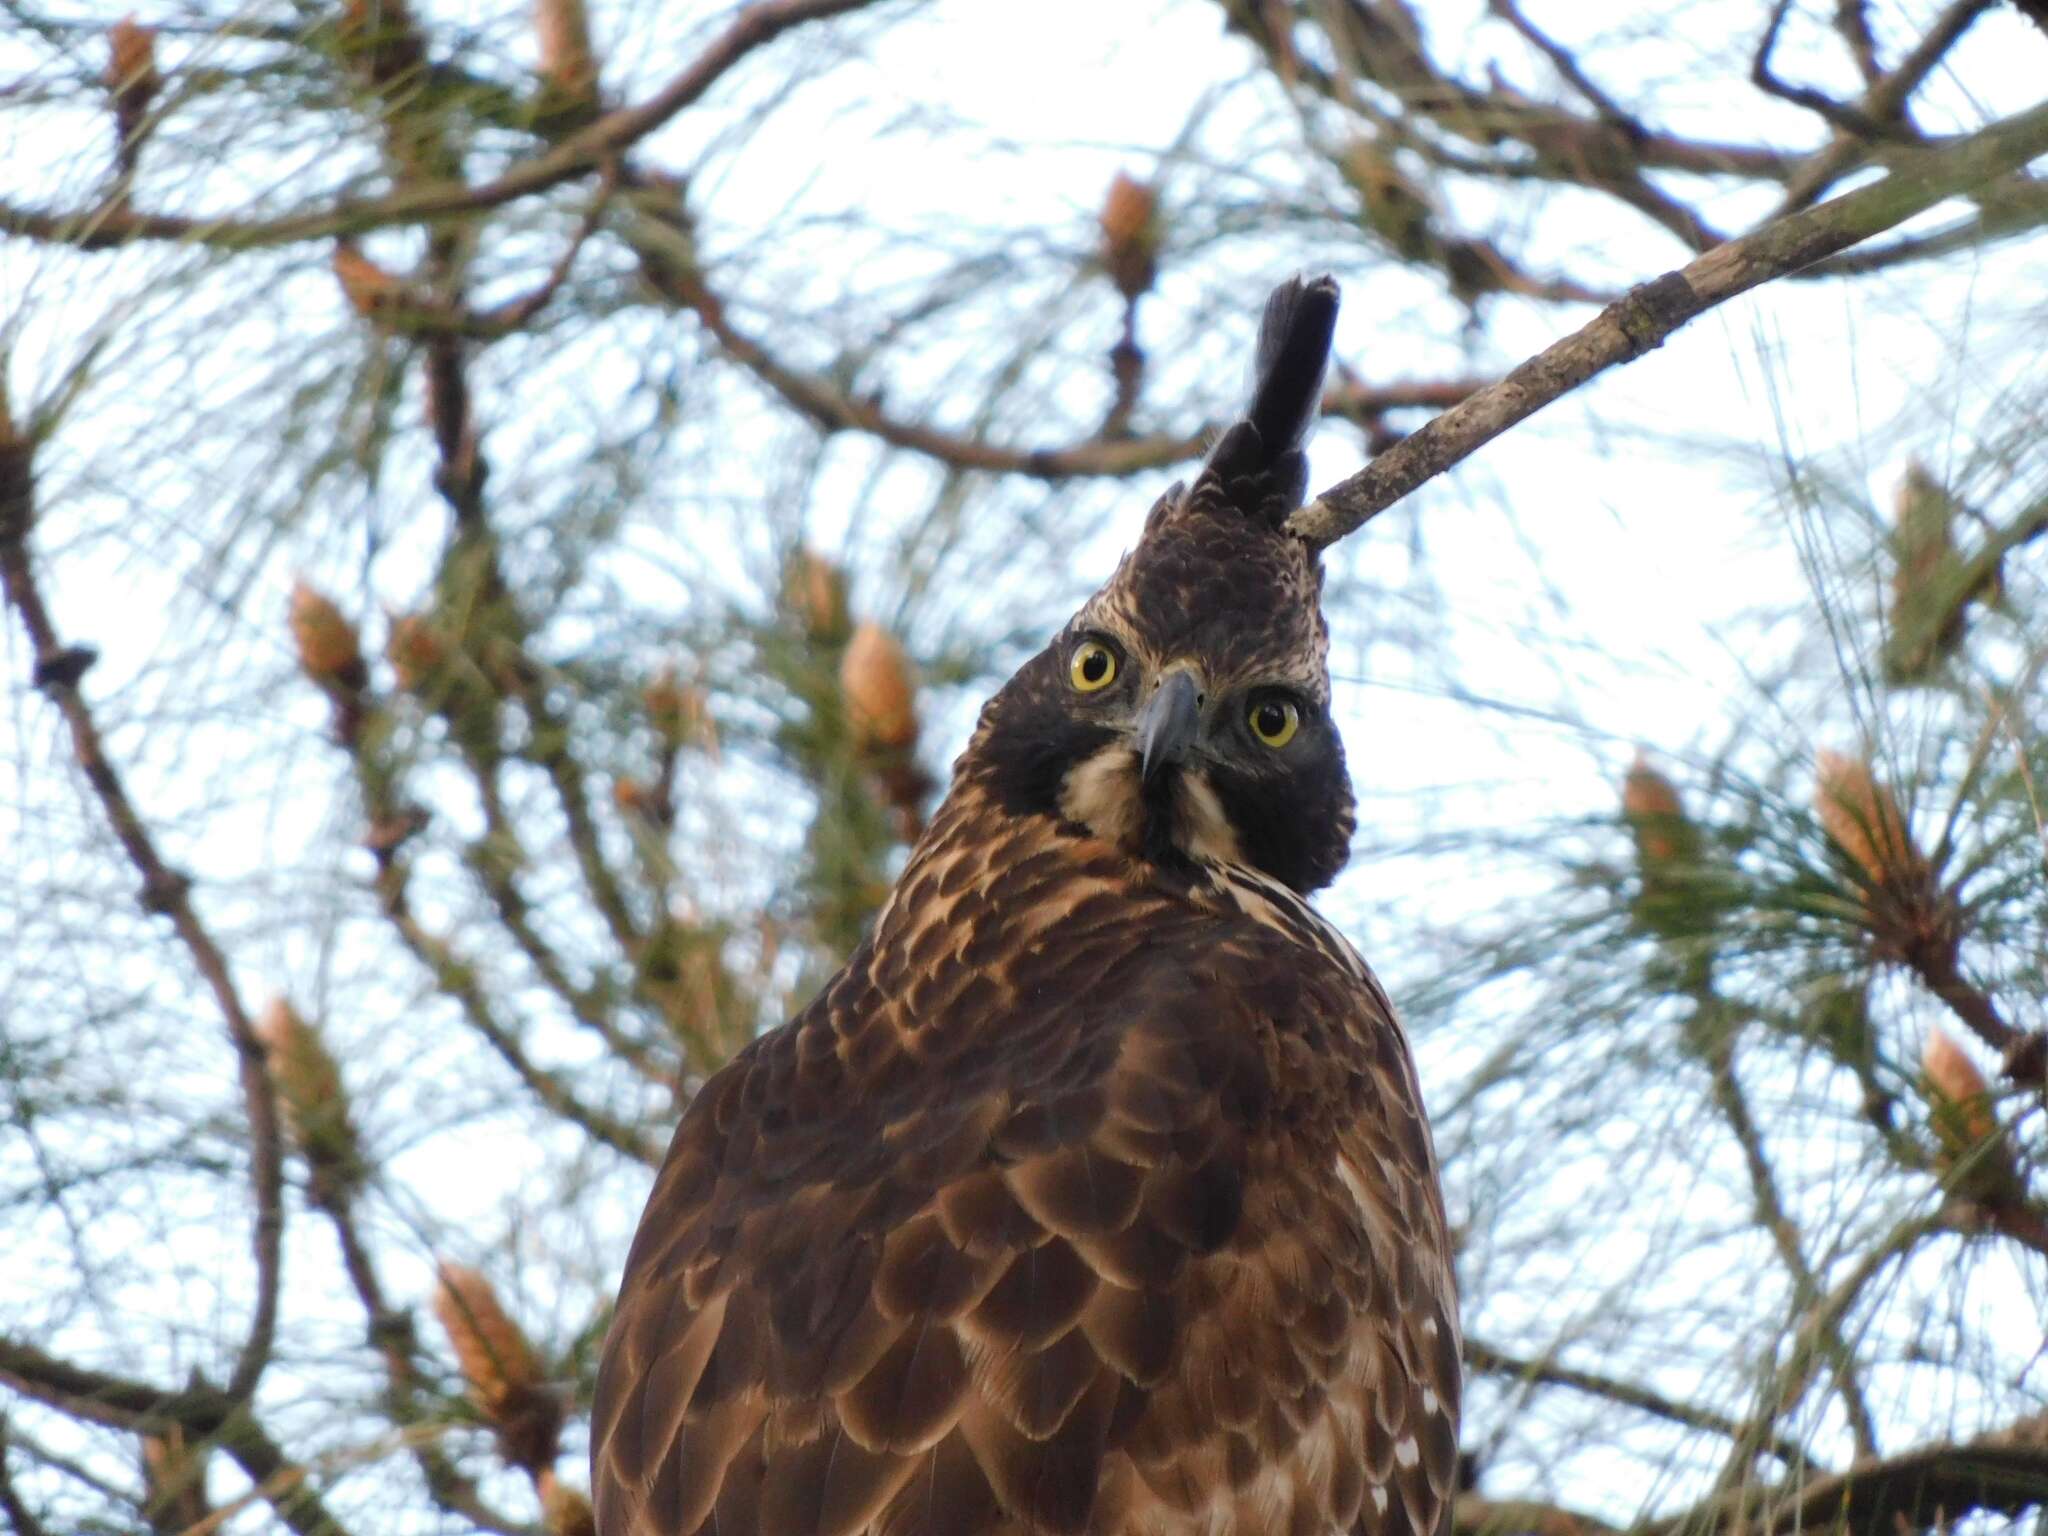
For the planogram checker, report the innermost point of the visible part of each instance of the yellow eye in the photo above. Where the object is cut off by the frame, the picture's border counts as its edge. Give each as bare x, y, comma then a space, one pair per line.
1274, 721
1093, 666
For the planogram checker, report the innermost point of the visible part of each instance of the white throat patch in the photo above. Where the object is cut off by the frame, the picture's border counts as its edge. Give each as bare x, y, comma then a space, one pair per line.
1103, 793
1199, 825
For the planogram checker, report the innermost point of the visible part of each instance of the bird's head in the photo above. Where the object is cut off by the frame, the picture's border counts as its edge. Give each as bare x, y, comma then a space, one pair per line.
1184, 713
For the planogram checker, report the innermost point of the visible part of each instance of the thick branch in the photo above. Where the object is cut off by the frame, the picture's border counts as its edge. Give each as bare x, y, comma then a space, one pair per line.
1474, 1514
1649, 314
2004, 1472
2006, 208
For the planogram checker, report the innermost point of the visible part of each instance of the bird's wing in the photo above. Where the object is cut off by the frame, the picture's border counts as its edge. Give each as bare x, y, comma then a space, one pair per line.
1156, 1237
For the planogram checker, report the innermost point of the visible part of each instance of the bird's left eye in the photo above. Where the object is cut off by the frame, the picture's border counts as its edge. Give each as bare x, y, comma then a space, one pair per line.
1274, 721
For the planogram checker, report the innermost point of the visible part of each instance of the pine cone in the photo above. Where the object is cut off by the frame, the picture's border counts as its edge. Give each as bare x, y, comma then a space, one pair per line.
568, 70
131, 79
370, 290
880, 691
1673, 899
565, 1511
501, 1369
1973, 1145
1929, 610
415, 650
316, 1107
1864, 819
640, 800
1131, 232
1665, 839
174, 1482
680, 712
329, 651
814, 589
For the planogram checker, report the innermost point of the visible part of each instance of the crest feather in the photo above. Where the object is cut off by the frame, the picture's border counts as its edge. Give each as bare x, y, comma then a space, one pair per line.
1258, 464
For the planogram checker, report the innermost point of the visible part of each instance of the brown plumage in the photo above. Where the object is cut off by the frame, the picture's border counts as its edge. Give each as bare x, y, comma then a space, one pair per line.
1094, 1194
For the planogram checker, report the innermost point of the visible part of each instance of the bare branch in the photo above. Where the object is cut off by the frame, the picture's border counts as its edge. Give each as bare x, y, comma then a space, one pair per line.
1641, 322
1567, 66
166, 892
2003, 1472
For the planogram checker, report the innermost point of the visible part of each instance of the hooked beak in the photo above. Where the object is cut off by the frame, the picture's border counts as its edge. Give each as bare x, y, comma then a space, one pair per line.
1168, 724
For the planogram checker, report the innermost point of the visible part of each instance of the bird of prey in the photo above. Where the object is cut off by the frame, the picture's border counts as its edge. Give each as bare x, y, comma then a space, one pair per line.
1094, 1194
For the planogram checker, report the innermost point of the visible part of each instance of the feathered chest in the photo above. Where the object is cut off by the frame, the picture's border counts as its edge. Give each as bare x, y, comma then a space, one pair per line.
1034, 944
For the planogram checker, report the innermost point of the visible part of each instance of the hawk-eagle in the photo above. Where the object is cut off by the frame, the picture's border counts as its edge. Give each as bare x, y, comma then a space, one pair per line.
1094, 1194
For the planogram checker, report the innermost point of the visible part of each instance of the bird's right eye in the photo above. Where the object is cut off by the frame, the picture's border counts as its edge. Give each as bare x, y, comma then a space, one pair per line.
1092, 666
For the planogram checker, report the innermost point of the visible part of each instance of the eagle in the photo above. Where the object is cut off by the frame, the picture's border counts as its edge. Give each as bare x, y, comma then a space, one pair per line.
1094, 1195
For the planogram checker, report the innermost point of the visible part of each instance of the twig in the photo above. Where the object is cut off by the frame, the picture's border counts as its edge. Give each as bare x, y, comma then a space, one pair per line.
1716, 1044
1850, 120
1484, 1357
204, 1412
1567, 66
1808, 1346
1649, 314
112, 224
1939, 966
1887, 98
165, 892
392, 1334
1852, 20
19, 1516
1489, 118
457, 980
666, 263
513, 315
681, 282
1884, 104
